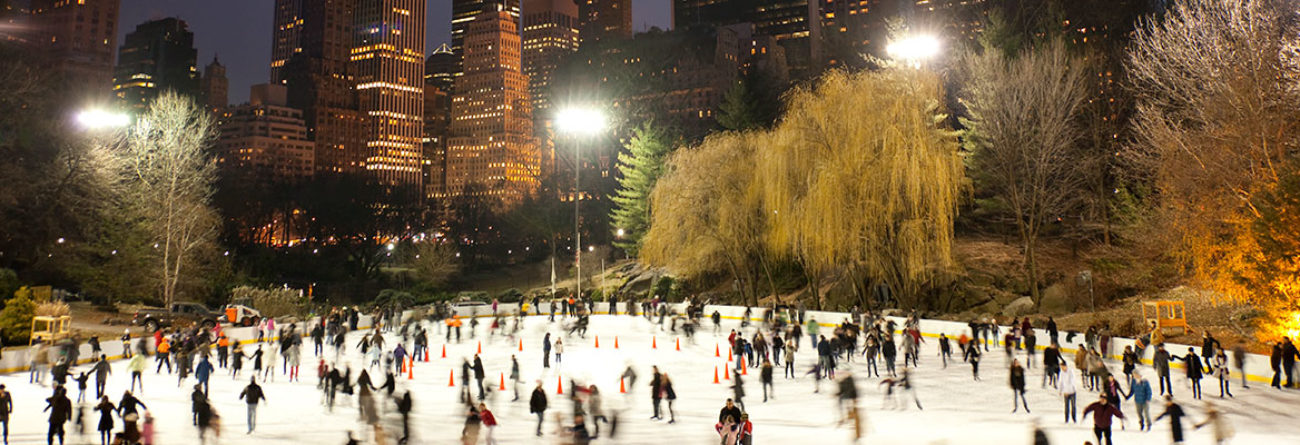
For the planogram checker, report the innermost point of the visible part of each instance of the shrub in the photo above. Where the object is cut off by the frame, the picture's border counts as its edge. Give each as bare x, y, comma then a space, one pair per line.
16, 318
272, 302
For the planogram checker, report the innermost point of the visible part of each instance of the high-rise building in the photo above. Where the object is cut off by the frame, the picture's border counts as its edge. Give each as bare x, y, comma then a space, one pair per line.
787, 22
214, 87
437, 119
264, 140
158, 56
463, 12
492, 149
310, 55
440, 68
605, 19
550, 35
79, 36
388, 62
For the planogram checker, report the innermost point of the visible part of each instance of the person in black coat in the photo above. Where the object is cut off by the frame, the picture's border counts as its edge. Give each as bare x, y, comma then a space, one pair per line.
479, 375
60, 408
1175, 414
1194, 370
1018, 386
1275, 360
106, 410
537, 405
6, 408
670, 395
1289, 356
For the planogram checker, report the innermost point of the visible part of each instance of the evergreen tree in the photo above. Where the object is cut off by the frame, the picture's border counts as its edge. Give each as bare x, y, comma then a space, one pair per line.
641, 165
739, 108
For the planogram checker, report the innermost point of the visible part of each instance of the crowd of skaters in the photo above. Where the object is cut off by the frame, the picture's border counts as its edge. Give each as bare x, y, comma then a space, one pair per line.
189, 352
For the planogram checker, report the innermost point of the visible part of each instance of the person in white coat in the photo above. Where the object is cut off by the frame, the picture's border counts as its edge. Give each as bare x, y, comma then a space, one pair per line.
1069, 392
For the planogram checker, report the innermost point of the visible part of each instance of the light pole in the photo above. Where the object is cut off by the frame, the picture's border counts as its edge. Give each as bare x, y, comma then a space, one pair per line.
914, 49
578, 122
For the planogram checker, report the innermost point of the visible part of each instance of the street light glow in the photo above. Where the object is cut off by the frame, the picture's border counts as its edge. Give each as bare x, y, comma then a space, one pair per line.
95, 119
580, 120
916, 48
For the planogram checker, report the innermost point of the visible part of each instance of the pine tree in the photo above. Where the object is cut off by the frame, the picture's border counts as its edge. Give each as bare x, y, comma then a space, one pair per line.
739, 108
641, 165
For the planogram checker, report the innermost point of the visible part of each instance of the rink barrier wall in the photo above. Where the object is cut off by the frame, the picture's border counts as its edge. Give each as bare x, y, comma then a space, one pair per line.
1257, 366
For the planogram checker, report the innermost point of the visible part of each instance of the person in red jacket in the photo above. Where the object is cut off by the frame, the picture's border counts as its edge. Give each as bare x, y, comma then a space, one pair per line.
1101, 421
746, 429
490, 421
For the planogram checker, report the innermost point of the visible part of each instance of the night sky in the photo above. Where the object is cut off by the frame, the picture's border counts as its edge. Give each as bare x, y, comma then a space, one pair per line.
239, 31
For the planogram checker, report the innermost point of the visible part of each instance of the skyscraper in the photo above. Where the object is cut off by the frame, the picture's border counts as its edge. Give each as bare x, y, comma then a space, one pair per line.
214, 87
788, 22
158, 56
80, 37
605, 19
264, 140
492, 149
310, 55
440, 68
388, 62
550, 35
463, 12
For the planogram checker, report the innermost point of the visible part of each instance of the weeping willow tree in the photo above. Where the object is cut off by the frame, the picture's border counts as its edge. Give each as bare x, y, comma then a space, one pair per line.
708, 217
862, 177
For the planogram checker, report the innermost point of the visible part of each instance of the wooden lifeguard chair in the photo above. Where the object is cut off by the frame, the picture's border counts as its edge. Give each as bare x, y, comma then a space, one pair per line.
1165, 314
50, 329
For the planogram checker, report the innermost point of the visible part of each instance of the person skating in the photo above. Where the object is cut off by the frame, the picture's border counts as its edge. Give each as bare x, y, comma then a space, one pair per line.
136, 366
207, 420
473, 423
738, 390
765, 378
1052, 362
1069, 393
6, 408
1275, 361
1140, 392
236, 360
537, 405
546, 344
203, 372
197, 400
1223, 373
252, 394
1239, 362
656, 392
746, 429
128, 405
223, 351
973, 356
102, 371
1102, 412
728, 430
404, 406
890, 353
269, 369
164, 356
479, 375
578, 432
106, 410
1194, 371
945, 350
60, 408
1018, 386
489, 421
514, 376
82, 380
1219, 426
1160, 362
670, 395
848, 394
597, 410
1175, 413
729, 411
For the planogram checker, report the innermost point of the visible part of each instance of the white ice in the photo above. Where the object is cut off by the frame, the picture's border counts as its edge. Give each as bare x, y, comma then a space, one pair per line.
957, 409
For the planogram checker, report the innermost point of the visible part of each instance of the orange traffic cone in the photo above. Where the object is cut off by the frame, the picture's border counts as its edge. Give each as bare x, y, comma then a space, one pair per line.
621, 388
744, 370
615, 342
726, 373
679, 344
444, 351
503, 381
728, 353
426, 355
521, 345
717, 351
715, 375
654, 343
410, 370
597, 342
451, 378
559, 385
480, 347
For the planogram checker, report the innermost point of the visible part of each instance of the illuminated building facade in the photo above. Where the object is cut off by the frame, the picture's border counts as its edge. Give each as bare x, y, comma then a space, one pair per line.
492, 148
388, 64
214, 87
265, 139
311, 44
80, 36
463, 12
158, 56
550, 35
787, 22
605, 19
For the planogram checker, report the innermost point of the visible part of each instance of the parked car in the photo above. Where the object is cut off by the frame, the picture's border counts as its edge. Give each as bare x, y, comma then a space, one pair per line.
152, 319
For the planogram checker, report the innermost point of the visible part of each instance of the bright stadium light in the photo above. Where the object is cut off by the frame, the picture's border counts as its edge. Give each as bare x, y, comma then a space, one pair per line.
580, 121
914, 49
95, 119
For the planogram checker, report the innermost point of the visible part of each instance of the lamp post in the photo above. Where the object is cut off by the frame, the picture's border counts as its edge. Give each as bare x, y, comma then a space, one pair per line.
914, 49
578, 122
96, 119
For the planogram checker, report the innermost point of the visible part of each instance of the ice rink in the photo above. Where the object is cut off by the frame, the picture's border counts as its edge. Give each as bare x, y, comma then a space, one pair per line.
957, 410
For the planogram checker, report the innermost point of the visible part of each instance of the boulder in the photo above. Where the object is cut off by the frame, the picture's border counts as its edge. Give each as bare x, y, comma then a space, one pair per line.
1056, 299
1020, 307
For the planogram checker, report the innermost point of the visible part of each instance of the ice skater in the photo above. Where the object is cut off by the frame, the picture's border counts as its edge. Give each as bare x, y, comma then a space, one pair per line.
1018, 386
252, 395
1194, 371
1103, 412
537, 404
1175, 414
1069, 393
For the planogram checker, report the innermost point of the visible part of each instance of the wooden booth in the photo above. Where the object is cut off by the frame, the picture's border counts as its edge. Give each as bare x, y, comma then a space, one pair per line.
1165, 314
